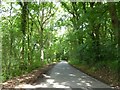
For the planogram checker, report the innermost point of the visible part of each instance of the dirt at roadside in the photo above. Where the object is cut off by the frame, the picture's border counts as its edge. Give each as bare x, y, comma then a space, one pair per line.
29, 78
103, 75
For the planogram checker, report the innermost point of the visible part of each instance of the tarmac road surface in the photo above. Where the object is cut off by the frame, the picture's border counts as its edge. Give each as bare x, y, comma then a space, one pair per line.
65, 77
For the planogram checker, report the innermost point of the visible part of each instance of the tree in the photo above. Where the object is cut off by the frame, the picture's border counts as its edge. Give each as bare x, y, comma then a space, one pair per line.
116, 27
24, 18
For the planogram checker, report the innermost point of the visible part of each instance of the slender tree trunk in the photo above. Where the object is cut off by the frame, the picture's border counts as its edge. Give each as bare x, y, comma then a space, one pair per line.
119, 43
29, 49
114, 18
10, 44
41, 46
95, 37
116, 28
23, 29
97, 42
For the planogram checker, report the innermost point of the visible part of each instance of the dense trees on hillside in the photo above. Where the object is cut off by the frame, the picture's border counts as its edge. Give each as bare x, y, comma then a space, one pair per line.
31, 35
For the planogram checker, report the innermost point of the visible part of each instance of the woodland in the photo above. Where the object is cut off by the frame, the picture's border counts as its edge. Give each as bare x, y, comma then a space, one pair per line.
86, 34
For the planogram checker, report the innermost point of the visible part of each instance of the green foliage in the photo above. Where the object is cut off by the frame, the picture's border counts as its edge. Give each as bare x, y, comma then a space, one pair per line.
22, 55
92, 41
89, 38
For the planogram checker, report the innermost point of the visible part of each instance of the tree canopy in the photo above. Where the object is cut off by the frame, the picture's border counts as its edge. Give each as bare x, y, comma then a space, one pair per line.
39, 33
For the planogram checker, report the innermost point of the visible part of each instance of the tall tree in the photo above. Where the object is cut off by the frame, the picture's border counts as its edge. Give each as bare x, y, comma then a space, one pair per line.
114, 13
24, 16
45, 12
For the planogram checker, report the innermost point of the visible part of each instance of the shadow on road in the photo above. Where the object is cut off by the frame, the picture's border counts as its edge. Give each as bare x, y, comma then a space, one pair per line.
64, 77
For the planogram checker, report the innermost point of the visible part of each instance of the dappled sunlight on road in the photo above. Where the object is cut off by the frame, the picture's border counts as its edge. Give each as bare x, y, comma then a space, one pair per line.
72, 75
50, 83
64, 76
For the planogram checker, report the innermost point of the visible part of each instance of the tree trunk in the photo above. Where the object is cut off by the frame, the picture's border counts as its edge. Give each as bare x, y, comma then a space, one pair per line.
11, 43
41, 46
114, 18
95, 37
28, 38
23, 29
95, 41
116, 27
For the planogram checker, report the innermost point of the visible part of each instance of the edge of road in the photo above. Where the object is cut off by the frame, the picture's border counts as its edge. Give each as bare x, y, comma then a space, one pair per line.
27, 78
100, 79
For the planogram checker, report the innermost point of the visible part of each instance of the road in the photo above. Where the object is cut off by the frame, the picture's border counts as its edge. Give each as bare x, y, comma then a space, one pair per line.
66, 77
